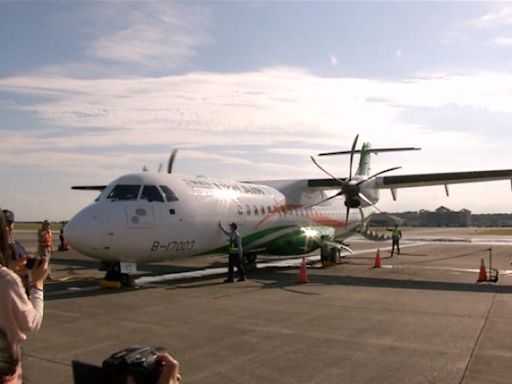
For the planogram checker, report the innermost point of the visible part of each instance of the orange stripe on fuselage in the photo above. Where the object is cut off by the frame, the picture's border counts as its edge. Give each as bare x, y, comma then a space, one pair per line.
314, 216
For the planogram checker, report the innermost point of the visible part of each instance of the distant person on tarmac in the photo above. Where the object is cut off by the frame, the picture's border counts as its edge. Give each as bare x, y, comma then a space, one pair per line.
63, 246
235, 253
45, 242
396, 235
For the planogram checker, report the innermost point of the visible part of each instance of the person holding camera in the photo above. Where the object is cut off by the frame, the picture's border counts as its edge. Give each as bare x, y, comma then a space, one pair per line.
170, 372
17, 250
19, 314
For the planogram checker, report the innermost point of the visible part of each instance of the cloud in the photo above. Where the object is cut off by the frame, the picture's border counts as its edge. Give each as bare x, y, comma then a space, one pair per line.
262, 107
146, 35
117, 125
497, 18
487, 31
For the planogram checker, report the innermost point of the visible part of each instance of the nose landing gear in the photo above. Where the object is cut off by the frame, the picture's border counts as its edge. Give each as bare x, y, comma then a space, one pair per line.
115, 278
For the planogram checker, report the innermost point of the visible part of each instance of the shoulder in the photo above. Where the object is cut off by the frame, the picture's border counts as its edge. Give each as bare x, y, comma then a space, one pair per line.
8, 277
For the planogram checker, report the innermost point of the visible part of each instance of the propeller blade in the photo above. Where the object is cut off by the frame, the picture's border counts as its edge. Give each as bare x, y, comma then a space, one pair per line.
324, 200
346, 217
323, 170
171, 160
379, 173
160, 167
352, 155
366, 200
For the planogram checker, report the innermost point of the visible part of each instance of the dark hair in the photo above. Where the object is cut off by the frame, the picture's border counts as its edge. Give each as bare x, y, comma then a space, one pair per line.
4, 243
233, 226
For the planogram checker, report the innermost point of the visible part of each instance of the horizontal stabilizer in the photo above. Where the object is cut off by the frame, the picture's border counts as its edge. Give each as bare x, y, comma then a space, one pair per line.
89, 187
370, 150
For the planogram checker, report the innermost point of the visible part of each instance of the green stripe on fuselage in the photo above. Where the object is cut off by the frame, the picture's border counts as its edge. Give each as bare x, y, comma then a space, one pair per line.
294, 241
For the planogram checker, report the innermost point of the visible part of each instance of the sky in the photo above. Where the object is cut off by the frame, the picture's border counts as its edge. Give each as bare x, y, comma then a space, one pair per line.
250, 90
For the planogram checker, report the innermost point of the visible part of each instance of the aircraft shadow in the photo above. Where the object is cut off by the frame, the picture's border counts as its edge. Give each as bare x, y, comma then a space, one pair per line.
269, 278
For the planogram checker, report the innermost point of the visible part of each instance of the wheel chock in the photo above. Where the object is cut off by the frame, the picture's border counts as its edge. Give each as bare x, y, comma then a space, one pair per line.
110, 284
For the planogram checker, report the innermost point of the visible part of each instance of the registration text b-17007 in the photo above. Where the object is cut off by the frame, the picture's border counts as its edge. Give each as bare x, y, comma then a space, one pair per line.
173, 246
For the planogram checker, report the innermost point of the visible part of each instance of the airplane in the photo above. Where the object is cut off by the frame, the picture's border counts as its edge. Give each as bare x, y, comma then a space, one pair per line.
155, 216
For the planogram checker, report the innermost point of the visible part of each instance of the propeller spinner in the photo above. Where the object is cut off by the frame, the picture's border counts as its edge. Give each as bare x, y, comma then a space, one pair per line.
351, 187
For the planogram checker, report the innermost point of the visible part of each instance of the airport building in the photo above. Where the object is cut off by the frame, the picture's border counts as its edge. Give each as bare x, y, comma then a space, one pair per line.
444, 217
441, 217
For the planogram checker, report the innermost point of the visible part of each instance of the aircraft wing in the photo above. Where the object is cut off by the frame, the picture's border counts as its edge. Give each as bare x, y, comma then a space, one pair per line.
426, 179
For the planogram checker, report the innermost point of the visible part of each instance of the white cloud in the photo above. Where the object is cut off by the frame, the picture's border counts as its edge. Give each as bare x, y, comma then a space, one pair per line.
494, 19
267, 107
152, 34
263, 107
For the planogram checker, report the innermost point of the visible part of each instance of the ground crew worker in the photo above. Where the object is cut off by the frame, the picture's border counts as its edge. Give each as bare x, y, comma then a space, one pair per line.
45, 242
396, 235
235, 253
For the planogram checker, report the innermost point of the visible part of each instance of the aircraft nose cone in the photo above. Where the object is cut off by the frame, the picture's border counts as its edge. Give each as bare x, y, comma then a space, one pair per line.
81, 232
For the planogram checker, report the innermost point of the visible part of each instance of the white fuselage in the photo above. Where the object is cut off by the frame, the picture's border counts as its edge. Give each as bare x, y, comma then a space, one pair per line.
148, 217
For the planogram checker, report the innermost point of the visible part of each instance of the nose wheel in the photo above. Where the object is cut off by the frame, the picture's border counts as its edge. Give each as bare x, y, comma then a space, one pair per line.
114, 278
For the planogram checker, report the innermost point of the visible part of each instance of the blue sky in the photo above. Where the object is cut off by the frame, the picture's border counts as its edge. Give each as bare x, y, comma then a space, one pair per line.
249, 90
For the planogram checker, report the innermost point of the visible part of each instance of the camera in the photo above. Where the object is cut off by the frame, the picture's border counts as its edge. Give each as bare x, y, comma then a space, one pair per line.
137, 362
33, 262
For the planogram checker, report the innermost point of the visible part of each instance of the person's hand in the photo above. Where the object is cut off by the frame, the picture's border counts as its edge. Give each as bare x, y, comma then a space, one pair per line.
170, 370
39, 273
18, 265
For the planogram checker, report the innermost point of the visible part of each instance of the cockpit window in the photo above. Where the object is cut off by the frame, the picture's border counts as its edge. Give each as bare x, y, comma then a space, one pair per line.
169, 194
124, 192
151, 193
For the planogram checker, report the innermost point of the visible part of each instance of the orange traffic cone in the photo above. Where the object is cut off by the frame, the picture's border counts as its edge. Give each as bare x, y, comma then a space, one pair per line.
377, 259
482, 275
303, 273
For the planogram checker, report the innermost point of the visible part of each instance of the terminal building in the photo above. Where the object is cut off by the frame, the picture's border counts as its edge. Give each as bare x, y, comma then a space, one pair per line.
441, 217
444, 217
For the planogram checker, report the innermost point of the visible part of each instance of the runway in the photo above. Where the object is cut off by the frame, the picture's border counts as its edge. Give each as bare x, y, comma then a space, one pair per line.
421, 318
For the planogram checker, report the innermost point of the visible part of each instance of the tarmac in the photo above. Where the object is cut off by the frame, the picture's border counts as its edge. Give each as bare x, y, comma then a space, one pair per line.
420, 318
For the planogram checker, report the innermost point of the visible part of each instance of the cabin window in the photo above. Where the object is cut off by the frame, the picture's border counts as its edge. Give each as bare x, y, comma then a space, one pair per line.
240, 210
248, 210
169, 194
255, 208
124, 192
262, 210
151, 193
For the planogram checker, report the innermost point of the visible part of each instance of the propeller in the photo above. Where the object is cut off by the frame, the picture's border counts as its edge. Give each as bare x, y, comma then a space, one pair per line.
351, 188
171, 160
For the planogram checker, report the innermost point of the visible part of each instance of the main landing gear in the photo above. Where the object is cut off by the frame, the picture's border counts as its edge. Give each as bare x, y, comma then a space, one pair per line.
114, 278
